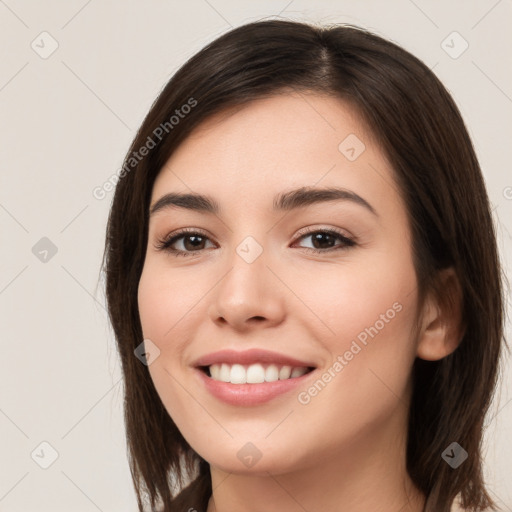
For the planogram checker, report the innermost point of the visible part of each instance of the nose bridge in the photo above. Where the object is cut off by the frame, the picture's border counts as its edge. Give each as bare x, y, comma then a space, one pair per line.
248, 289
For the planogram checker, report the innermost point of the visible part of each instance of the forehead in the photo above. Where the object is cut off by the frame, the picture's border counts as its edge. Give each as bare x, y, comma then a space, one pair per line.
254, 151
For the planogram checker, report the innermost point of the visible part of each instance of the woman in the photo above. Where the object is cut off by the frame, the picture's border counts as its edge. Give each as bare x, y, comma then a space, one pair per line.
303, 280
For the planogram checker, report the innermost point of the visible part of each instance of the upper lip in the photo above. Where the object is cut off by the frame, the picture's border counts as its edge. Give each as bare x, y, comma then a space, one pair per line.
248, 357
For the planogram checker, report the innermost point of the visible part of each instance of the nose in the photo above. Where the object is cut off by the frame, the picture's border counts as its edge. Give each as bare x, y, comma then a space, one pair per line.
249, 296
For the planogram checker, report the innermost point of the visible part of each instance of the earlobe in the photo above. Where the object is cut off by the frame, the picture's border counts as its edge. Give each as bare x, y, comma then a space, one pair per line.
442, 327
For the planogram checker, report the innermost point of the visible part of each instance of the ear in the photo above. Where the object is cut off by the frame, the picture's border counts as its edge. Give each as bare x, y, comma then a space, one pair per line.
442, 328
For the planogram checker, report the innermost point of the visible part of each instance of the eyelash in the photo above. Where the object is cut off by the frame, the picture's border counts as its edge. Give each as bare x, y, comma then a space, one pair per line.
165, 243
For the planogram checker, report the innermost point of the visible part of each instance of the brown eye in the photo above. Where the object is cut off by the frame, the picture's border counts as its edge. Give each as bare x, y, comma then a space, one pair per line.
186, 241
325, 240
192, 242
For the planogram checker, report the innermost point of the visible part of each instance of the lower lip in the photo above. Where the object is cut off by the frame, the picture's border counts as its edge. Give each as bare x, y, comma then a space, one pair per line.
250, 394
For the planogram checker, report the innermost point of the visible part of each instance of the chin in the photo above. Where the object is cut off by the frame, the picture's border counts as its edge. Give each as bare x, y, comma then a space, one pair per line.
258, 458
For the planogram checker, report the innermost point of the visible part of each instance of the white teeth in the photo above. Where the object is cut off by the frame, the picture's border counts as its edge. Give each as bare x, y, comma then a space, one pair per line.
298, 372
225, 373
215, 371
272, 373
285, 372
254, 373
238, 374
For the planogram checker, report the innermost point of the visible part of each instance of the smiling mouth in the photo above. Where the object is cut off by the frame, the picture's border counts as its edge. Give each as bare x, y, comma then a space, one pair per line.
254, 373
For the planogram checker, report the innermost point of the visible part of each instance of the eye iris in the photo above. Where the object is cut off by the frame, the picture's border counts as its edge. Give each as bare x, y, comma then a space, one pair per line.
317, 237
198, 241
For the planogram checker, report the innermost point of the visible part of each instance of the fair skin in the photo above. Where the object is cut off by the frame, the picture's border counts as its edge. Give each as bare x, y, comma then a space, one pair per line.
346, 445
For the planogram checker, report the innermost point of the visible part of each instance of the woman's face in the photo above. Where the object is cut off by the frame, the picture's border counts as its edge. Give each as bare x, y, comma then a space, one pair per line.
246, 279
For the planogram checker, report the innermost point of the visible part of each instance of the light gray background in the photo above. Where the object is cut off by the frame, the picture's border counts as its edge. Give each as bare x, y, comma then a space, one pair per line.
66, 122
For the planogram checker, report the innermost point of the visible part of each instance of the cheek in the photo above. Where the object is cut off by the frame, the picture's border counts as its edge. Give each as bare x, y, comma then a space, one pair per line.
166, 304
353, 300
166, 308
153, 302
370, 312
372, 347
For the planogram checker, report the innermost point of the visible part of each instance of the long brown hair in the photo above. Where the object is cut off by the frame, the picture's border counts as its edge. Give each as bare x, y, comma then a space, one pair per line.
420, 130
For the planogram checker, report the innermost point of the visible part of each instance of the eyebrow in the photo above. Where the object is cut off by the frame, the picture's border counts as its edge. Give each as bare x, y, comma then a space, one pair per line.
285, 201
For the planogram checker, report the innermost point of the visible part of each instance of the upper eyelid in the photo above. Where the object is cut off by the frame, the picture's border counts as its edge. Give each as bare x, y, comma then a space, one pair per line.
337, 231
300, 232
